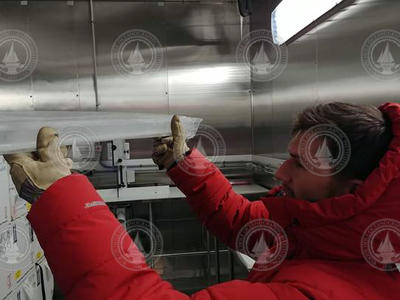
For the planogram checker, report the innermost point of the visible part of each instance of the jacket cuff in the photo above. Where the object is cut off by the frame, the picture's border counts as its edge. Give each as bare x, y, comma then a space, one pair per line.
192, 170
175, 163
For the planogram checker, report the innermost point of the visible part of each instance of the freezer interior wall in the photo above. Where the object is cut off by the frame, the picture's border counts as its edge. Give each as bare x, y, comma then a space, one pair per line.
199, 75
324, 66
195, 73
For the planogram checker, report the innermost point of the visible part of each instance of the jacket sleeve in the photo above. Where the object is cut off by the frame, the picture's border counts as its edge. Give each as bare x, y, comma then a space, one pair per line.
75, 228
211, 196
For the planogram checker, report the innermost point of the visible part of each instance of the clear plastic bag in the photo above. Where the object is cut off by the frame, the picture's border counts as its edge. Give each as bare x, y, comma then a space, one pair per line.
18, 130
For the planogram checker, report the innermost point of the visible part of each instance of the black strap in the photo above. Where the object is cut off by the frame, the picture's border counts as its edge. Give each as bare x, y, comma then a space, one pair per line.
42, 281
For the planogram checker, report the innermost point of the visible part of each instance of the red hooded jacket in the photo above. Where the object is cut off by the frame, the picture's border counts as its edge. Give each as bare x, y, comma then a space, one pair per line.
75, 228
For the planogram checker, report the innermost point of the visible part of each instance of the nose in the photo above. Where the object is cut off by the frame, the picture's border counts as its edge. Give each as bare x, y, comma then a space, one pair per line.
283, 174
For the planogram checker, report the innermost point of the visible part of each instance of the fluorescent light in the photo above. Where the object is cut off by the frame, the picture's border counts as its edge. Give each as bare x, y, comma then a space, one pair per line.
291, 16
205, 75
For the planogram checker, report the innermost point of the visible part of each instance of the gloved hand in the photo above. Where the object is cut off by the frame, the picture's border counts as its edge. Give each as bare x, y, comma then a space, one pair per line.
32, 173
170, 150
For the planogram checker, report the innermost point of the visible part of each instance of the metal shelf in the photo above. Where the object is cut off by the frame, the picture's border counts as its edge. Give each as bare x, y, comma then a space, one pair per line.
163, 192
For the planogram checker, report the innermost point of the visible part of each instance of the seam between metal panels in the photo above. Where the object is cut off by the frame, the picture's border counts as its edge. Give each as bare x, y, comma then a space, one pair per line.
94, 53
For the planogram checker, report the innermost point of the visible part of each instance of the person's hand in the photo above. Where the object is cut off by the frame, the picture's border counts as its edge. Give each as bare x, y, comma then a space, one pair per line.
32, 173
170, 150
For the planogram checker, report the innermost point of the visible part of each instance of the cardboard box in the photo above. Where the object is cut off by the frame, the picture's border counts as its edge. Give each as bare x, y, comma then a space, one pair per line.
25, 244
7, 284
37, 251
30, 288
15, 249
4, 190
18, 206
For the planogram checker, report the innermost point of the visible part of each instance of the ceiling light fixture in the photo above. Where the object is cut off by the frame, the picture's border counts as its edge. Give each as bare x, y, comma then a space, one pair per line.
291, 17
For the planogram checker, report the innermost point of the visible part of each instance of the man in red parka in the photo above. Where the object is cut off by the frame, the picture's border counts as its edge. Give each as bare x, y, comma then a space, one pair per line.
324, 216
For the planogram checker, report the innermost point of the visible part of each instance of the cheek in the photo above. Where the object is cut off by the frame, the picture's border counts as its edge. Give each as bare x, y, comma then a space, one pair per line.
302, 184
311, 187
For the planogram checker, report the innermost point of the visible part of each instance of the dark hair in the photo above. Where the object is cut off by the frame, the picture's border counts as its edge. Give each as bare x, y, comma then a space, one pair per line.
368, 130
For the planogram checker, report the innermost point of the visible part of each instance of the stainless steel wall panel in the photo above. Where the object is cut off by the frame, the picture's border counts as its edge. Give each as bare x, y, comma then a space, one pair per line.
203, 76
211, 78
324, 66
228, 113
202, 41
198, 13
348, 81
219, 109
63, 76
145, 92
14, 95
263, 119
198, 74
341, 76
290, 92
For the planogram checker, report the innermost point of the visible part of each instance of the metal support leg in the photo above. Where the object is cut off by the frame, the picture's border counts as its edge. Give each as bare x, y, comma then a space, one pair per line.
151, 226
208, 253
217, 268
231, 265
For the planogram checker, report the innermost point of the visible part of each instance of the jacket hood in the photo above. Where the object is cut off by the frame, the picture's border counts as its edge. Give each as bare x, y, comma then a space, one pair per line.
382, 180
